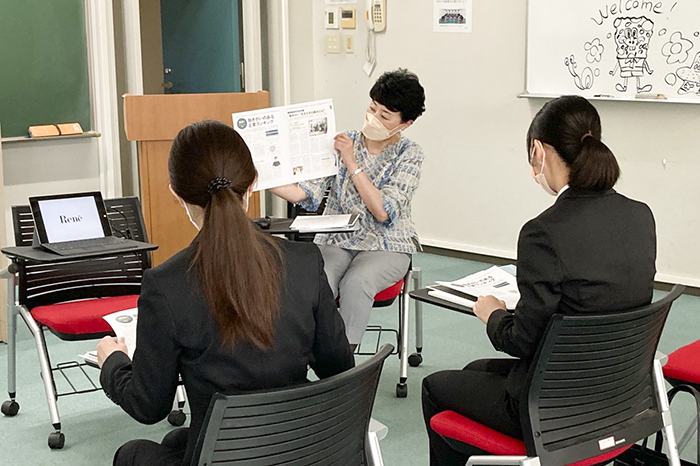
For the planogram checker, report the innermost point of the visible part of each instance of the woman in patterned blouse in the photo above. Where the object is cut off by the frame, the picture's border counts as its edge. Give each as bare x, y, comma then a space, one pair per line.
379, 173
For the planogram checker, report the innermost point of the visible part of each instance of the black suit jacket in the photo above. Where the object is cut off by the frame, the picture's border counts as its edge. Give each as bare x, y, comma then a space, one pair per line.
177, 335
589, 252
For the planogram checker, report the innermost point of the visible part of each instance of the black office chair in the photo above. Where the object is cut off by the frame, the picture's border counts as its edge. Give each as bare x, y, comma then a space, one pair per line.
318, 423
69, 299
596, 389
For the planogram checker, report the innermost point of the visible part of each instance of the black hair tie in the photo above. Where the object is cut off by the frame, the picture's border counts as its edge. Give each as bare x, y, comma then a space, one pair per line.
217, 184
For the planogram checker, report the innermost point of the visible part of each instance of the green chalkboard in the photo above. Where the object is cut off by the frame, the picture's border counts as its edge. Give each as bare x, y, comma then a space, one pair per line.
43, 64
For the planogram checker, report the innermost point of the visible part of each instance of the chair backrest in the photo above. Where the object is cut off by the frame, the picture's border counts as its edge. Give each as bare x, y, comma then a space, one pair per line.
592, 387
322, 422
114, 275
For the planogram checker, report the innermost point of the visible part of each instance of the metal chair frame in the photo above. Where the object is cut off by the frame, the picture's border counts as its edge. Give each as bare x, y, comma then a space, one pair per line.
113, 275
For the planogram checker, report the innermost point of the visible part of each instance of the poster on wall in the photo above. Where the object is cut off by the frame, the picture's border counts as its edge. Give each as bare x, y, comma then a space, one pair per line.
290, 143
623, 49
452, 16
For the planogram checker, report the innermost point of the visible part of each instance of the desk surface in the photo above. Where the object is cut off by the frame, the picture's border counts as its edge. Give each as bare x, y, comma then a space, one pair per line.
281, 226
422, 295
30, 253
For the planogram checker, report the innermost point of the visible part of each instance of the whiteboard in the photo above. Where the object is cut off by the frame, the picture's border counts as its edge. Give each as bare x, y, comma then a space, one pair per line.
614, 48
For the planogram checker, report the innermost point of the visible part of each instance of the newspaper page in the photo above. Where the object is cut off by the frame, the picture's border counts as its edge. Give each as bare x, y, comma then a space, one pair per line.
493, 281
290, 143
124, 325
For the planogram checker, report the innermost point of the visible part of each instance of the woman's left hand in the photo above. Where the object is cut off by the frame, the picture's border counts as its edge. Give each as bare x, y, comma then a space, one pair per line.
344, 145
485, 305
107, 346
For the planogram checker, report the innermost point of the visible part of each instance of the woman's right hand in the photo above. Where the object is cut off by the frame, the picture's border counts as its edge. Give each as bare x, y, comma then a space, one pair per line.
343, 144
107, 346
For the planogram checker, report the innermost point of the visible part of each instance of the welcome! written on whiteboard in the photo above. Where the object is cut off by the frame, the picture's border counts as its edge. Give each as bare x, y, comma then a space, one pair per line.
624, 6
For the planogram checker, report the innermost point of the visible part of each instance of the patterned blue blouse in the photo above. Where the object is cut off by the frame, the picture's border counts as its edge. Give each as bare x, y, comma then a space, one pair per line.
396, 173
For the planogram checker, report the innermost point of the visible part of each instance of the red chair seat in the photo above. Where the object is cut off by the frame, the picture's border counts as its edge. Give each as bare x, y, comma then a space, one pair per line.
684, 364
390, 293
454, 426
82, 317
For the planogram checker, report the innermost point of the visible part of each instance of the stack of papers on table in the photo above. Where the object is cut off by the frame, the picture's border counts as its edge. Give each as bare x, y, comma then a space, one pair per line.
493, 281
321, 223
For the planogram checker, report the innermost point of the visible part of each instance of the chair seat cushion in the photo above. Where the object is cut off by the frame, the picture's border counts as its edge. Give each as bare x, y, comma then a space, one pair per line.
390, 293
82, 317
454, 426
684, 364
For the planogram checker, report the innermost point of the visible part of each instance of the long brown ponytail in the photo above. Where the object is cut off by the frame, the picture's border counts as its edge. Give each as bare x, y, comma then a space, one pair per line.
238, 266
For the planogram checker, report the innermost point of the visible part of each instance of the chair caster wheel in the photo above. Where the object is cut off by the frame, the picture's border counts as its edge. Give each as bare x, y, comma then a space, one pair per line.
177, 418
10, 408
415, 359
56, 440
401, 390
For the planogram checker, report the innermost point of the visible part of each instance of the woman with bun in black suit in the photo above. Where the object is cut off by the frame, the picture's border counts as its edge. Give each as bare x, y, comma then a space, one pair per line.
593, 250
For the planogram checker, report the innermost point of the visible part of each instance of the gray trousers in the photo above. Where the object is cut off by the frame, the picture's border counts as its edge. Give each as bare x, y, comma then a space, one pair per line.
356, 277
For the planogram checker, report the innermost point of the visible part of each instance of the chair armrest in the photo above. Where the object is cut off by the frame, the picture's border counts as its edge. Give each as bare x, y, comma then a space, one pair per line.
378, 428
661, 357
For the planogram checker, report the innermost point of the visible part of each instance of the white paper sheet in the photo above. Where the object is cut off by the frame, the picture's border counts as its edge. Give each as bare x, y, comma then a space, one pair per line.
493, 281
124, 325
290, 143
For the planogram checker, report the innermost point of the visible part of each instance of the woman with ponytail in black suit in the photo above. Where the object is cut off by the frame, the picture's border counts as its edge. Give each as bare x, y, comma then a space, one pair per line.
236, 310
593, 250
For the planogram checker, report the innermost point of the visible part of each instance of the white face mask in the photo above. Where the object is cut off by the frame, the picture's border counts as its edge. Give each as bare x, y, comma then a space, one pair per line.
246, 201
374, 130
539, 177
190, 217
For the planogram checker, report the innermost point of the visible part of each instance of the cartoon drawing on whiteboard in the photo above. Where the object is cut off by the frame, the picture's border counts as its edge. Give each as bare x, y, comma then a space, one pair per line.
676, 49
585, 80
691, 76
594, 50
632, 36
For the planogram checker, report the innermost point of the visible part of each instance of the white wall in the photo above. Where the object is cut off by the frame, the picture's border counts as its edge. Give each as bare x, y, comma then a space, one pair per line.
36, 168
476, 191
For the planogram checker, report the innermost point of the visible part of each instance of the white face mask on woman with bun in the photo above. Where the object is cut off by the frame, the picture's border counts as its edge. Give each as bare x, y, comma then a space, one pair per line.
539, 177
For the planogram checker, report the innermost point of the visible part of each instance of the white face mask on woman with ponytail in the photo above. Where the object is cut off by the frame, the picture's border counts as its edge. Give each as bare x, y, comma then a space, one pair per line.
196, 213
539, 177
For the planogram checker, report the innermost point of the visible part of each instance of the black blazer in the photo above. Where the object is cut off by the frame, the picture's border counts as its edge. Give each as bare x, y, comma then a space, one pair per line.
177, 335
589, 252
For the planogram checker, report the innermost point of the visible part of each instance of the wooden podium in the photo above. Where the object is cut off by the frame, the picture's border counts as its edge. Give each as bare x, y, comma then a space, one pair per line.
154, 121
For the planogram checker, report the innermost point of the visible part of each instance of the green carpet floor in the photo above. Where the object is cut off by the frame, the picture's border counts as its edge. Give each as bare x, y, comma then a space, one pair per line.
94, 427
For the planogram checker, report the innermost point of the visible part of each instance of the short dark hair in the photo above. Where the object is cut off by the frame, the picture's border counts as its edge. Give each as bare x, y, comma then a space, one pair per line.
571, 125
400, 91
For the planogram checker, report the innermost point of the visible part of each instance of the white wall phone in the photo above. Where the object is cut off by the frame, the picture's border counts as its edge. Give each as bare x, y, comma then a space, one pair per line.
376, 15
